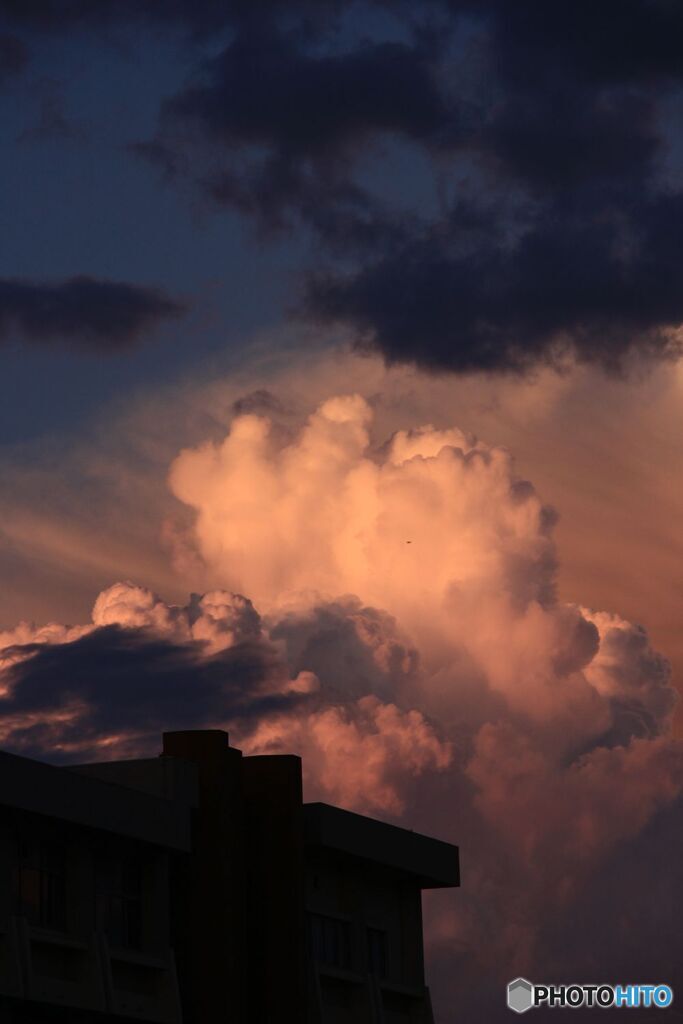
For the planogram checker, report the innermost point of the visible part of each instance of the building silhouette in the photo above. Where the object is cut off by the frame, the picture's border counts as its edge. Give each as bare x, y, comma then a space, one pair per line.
197, 887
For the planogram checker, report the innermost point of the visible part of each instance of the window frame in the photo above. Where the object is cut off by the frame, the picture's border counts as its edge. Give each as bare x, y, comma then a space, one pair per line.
119, 899
331, 940
41, 887
377, 940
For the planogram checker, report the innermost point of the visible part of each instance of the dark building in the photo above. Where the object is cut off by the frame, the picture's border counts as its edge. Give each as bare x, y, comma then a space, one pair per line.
197, 887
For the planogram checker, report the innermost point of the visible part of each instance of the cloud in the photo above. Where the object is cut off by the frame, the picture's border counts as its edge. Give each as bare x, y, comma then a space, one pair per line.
472, 202
293, 121
109, 688
537, 226
139, 667
626, 671
363, 755
584, 39
354, 648
84, 312
64, 699
434, 528
441, 683
321, 513
570, 286
552, 750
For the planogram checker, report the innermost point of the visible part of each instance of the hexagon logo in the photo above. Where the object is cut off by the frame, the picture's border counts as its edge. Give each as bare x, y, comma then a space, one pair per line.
520, 995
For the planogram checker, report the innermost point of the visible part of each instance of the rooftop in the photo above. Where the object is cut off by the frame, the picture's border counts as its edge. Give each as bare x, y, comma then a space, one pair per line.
431, 863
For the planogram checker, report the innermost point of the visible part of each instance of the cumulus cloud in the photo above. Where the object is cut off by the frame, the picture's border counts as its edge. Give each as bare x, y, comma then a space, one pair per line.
556, 717
362, 755
82, 312
629, 674
142, 665
358, 649
406, 638
321, 513
433, 527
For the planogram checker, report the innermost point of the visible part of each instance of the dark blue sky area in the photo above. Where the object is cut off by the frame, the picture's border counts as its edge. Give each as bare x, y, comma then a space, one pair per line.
467, 187
75, 201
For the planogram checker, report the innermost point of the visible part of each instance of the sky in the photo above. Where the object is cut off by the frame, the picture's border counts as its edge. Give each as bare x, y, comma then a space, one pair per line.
341, 409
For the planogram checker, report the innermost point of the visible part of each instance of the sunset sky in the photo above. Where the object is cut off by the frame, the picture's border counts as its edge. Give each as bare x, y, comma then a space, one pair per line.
342, 408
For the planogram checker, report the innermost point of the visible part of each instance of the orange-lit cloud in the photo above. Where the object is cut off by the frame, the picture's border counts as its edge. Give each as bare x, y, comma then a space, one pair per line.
605, 452
401, 629
559, 717
415, 621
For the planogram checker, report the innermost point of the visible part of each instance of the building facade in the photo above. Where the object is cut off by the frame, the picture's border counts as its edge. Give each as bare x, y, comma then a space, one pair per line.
197, 887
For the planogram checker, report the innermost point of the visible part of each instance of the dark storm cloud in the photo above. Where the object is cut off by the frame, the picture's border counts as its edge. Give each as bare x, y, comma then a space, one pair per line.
264, 89
590, 259
543, 216
115, 681
547, 126
83, 312
604, 288
613, 41
294, 119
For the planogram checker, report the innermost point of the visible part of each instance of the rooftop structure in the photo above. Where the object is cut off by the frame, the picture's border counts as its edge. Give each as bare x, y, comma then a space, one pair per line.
198, 887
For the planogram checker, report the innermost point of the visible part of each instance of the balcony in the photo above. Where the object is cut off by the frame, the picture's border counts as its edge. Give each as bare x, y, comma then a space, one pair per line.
51, 967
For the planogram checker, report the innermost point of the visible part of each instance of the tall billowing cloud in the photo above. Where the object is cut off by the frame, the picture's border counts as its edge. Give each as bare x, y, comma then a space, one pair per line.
400, 629
557, 716
324, 513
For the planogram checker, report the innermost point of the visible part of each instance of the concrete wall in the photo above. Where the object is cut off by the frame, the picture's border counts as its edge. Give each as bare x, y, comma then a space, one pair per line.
372, 907
68, 960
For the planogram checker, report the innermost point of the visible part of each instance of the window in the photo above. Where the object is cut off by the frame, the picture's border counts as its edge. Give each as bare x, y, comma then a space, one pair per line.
377, 952
41, 888
119, 901
330, 940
